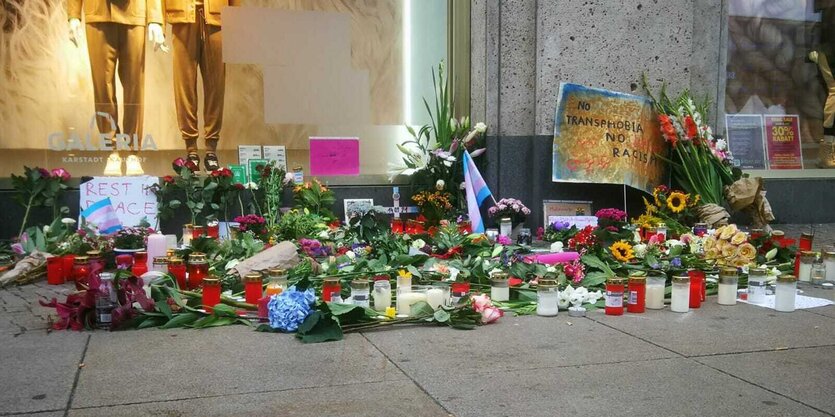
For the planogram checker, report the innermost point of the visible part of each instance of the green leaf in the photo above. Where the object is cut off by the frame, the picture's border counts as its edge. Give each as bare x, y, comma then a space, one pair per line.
175, 204
181, 320
318, 327
594, 278
595, 262
421, 308
349, 313
164, 308
151, 322
526, 295
203, 322
441, 316
224, 310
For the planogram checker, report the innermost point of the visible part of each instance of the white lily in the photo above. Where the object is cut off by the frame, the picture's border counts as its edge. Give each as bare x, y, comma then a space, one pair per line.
480, 127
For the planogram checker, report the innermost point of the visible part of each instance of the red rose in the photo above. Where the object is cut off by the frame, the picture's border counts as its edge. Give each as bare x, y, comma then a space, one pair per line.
239, 186
168, 179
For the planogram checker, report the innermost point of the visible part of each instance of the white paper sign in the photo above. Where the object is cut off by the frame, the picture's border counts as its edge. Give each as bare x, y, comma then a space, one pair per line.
579, 221
130, 197
278, 154
247, 152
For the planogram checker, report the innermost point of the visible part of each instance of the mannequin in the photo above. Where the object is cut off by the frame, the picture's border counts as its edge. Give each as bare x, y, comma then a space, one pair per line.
826, 155
115, 31
198, 42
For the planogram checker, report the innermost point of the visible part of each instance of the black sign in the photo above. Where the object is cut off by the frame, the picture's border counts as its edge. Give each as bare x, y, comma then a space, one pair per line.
745, 140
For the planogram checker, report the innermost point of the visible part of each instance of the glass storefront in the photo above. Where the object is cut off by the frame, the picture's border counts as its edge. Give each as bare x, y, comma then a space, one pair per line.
293, 70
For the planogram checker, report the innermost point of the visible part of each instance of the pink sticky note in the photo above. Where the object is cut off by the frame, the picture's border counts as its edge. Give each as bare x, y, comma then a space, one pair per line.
555, 258
334, 156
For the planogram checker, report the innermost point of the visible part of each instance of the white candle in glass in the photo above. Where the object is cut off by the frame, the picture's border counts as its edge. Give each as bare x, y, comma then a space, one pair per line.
804, 273
382, 296
435, 297
728, 284
500, 293
829, 264
785, 293
405, 302
655, 292
680, 302
547, 303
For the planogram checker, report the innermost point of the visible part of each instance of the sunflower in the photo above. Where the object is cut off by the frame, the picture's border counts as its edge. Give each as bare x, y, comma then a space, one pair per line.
695, 201
622, 251
655, 197
677, 202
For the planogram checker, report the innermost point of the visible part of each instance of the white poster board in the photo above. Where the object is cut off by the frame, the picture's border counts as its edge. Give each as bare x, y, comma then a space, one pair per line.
130, 197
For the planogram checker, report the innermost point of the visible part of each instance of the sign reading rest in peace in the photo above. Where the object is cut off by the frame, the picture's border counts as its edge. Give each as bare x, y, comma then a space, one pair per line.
602, 136
131, 197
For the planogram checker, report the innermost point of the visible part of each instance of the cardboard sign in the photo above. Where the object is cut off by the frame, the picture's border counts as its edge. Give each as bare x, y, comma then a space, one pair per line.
782, 138
606, 137
745, 140
564, 208
130, 197
334, 156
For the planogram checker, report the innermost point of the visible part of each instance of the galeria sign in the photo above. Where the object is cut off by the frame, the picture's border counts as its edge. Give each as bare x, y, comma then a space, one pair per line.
606, 137
131, 197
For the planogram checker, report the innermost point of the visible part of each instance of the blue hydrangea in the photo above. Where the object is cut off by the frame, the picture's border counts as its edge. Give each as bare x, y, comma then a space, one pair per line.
288, 310
676, 262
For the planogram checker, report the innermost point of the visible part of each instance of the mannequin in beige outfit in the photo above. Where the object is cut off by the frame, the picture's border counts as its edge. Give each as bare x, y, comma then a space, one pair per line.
198, 42
115, 32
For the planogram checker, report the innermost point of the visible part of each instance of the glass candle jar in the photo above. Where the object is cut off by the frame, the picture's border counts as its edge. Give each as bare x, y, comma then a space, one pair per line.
253, 287
661, 230
331, 286
177, 269
211, 293
829, 264
397, 226
458, 291
436, 296
124, 261
160, 264
360, 293
817, 275
382, 293
505, 226
777, 236
756, 233
547, 298
197, 231
636, 298
656, 284
614, 296
491, 234
680, 299
140, 263
525, 237
54, 270
411, 227
756, 285
405, 300
728, 284
465, 227
805, 243
697, 279
198, 270
81, 273
68, 261
187, 234
404, 286
499, 289
700, 229
96, 261
277, 283
785, 293
213, 230
804, 270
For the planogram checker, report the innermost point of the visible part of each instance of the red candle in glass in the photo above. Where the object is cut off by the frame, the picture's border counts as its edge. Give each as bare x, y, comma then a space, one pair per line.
411, 227
637, 294
329, 287
54, 270
614, 296
263, 308
211, 293
756, 233
397, 226
124, 261
697, 279
253, 288
198, 269
797, 263
69, 261
177, 269
81, 273
213, 231
459, 289
419, 228
805, 243
140, 263
465, 227
197, 231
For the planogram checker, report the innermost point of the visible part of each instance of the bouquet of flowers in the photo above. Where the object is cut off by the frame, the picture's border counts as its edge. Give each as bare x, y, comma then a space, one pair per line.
701, 163
674, 208
509, 207
729, 246
315, 198
252, 223
131, 237
559, 232
434, 205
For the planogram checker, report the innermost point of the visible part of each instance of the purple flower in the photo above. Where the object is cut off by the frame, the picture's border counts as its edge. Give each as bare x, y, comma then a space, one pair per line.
503, 240
17, 248
676, 262
560, 226
656, 266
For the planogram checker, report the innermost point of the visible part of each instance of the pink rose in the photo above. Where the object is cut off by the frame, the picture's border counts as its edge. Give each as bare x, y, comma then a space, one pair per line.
491, 314
481, 302
61, 173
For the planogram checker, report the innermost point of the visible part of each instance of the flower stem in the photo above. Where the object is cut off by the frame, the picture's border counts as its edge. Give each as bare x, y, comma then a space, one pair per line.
26, 216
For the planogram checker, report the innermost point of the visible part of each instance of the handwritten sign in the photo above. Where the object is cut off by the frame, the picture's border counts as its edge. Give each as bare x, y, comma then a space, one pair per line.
334, 156
782, 138
606, 137
130, 197
579, 221
745, 140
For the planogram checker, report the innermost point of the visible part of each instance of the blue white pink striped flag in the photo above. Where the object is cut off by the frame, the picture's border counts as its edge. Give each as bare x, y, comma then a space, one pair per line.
477, 192
102, 215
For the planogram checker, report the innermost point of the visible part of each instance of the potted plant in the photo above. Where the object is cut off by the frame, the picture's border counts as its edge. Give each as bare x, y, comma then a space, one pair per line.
130, 240
514, 210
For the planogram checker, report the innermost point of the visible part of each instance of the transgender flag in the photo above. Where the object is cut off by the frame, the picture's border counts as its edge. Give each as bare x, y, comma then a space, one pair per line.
102, 216
477, 192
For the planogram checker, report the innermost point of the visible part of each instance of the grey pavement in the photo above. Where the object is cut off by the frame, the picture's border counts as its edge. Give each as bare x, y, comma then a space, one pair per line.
738, 360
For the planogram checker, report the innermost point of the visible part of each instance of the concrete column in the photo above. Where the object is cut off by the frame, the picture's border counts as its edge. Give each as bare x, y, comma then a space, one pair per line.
517, 67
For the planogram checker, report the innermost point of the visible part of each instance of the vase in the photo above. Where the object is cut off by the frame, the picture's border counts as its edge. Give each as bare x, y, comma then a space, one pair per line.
514, 234
131, 252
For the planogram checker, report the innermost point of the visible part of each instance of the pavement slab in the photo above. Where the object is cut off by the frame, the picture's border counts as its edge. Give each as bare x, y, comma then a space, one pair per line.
38, 370
666, 387
716, 329
807, 374
512, 343
383, 399
158, 365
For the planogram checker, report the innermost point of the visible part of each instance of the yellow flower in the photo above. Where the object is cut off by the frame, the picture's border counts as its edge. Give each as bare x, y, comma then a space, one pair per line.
739, 238
622, 251
740, 261
404, 274
747, 251
711, 253
655, 197
695, 201
719, 230
728, 232
710, 243
729, 251
677, 202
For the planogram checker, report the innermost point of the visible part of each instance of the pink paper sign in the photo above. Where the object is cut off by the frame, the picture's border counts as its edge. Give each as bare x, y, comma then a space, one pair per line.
334, 156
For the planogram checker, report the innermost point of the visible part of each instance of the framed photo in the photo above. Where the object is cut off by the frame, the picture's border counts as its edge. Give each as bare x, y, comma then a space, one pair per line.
551, 208
356, 207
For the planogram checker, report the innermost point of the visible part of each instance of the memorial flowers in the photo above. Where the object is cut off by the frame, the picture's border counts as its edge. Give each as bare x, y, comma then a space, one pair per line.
434, 205
39, 187
315, 198
728, 245
622, 251
289, 309
510, 207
